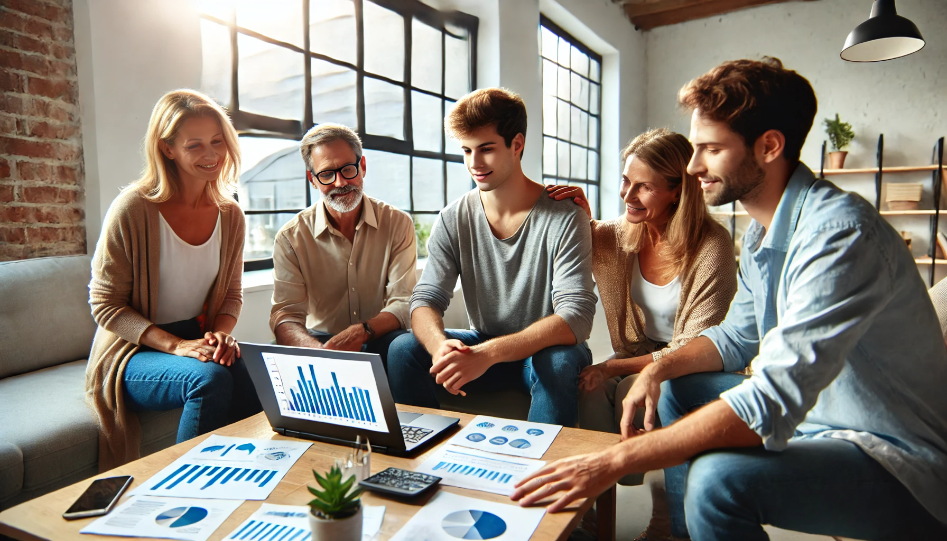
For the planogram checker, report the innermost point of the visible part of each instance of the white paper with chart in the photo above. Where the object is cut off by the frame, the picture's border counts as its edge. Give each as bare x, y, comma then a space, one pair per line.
477, 470
507, 436
291, 523
226, 468
342, 392
165, 518
449, 517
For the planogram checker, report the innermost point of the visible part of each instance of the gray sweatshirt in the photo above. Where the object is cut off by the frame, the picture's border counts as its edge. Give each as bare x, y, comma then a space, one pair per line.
544, 268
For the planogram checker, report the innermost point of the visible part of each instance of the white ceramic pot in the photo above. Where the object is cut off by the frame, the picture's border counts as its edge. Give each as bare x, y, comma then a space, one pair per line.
346, 529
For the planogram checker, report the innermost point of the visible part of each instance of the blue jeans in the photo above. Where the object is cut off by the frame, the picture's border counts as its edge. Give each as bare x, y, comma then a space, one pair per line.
379, 345
818, 486
211, 394
550, 376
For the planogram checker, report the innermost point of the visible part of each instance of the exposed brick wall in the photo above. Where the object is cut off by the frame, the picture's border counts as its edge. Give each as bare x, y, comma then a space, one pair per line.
41, 167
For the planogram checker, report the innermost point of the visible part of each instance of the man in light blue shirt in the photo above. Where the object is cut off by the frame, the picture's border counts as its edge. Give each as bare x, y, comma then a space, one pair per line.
842, 427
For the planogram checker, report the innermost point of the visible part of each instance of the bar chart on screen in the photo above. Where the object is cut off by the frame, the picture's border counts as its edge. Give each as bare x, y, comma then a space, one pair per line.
336, 391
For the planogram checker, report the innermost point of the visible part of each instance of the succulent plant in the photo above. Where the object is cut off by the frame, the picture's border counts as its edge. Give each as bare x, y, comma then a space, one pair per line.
337, 499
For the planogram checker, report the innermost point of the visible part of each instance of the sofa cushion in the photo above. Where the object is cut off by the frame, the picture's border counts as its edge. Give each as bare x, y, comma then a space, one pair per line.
159, 429
45, 319
44, 415
11, 470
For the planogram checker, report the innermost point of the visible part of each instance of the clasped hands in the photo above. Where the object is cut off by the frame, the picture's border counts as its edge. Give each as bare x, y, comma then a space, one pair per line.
455, 364
587, 476
218, 347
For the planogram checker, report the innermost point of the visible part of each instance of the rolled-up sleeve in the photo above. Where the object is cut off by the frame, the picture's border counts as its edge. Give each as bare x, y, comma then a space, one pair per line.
402, 273
573, 296
436, 287
737, 338
290, 296
837, 281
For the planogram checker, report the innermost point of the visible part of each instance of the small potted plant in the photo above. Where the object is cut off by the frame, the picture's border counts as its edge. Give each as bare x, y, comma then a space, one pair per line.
840, 134
336, 511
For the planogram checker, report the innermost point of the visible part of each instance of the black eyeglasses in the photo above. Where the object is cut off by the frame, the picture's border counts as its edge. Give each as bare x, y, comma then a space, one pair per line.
348, 172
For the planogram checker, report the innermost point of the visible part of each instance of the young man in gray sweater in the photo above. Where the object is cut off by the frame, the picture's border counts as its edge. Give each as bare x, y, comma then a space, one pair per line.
524, 262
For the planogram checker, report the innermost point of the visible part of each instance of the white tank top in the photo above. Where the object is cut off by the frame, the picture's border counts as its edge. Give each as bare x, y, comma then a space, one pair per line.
186, 274
659, 304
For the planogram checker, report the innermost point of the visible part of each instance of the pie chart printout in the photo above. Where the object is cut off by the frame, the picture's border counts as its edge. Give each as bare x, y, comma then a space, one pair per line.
181, 516
472, 524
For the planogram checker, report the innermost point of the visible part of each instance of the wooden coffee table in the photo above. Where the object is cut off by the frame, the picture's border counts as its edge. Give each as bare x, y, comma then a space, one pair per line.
41, 518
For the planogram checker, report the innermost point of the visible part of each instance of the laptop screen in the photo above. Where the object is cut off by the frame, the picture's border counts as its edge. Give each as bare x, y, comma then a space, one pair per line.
335, 391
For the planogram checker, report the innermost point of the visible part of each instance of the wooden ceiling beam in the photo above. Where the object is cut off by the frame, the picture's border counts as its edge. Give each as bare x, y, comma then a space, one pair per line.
648, 14
638, 8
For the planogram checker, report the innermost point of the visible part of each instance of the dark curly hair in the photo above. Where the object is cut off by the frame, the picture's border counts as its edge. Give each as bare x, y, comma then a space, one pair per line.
754, 96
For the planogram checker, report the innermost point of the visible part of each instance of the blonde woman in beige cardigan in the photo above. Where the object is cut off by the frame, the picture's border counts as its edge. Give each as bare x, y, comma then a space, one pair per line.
166, 284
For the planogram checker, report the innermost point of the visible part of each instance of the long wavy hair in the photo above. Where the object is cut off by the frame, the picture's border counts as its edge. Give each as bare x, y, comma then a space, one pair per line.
159, 178
667, 153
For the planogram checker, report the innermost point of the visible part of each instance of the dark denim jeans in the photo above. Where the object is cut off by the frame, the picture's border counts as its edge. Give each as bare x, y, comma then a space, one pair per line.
212, 395
550, 376
820, 486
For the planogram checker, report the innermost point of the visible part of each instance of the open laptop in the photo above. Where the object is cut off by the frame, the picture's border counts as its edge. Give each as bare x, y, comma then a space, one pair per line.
334, 396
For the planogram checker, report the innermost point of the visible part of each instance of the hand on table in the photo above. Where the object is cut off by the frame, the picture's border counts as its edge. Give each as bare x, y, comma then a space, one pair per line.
560, 192
351, 339
582, 476
592, 377
645, 392
226, 349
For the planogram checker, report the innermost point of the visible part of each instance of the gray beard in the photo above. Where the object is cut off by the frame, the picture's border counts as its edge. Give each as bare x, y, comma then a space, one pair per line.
343, 205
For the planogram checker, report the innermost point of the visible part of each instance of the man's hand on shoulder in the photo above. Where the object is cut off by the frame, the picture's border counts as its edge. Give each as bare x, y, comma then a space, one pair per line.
456, 364
351, 339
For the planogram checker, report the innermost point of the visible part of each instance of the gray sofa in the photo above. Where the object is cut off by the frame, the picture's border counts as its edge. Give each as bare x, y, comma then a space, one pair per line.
48, 437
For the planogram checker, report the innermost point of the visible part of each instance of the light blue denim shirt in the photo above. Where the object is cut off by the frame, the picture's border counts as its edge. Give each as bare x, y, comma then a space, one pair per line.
842, 336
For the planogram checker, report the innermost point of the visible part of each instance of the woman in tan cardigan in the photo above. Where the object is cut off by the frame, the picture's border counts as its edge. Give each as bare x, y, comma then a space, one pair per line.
665, 272
166, 283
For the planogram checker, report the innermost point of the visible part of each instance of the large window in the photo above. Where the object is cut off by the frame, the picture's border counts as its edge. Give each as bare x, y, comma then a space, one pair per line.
391, 69
572, 104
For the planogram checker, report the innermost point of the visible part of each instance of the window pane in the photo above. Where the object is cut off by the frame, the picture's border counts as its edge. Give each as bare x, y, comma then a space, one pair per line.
425, 57
550, 78
427, 124
578, 162
276, 182
456, 63
592, 193
271, 79
451, 145
593, 131
254, 150
575, 117
384, 108
422, 231
384, 42
549, 156
277, 19
593, 166
594, 70
550, 42
594, 99
562, 157
582, 129
332, 29
387, 177
562, 117
549, 115
333, 94
217, 61
261, 234
580, 91
564, 84
565, 52
580, 62
222, 9
428, 184
458, 180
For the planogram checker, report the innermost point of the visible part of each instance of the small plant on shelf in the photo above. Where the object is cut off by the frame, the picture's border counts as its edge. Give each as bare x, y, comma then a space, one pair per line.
840, 135
336, 510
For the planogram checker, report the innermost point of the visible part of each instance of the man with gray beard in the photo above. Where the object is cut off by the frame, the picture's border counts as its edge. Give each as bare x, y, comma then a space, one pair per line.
344, 268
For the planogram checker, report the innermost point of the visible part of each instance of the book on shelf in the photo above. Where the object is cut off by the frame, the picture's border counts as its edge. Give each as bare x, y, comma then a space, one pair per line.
941, 251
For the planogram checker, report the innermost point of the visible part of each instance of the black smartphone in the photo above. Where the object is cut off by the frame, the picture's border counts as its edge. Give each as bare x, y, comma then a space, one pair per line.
99, 498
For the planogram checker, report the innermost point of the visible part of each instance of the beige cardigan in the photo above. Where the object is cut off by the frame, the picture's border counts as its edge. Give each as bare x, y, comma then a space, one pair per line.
707, 288
123, 294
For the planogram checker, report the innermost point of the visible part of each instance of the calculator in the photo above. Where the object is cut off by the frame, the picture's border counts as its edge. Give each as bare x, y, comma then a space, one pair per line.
400, 482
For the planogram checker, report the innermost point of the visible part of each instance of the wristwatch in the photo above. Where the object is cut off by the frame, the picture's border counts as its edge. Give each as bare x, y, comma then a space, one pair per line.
369, 330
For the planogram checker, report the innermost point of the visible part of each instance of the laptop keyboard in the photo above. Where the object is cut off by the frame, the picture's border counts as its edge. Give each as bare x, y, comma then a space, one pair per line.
414, 434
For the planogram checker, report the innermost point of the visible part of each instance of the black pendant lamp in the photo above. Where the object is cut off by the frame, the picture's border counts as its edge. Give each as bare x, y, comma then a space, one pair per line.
884, 36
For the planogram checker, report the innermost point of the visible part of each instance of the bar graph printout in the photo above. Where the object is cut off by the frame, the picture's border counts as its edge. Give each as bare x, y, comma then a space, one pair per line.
226, 468
291, 523
477, 470
336, 391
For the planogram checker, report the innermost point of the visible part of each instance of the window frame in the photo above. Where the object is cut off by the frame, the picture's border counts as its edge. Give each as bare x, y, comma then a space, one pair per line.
256, 125
548, 24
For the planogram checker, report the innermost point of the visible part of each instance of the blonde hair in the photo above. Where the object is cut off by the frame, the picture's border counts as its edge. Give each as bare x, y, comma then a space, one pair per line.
159, 177
667, 154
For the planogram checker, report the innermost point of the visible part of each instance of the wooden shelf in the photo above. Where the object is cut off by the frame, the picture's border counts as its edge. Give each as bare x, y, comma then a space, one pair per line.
927, 261
869, 170
927, 212
730, 213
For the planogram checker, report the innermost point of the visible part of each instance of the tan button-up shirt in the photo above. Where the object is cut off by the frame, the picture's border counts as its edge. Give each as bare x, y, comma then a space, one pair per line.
326, 283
